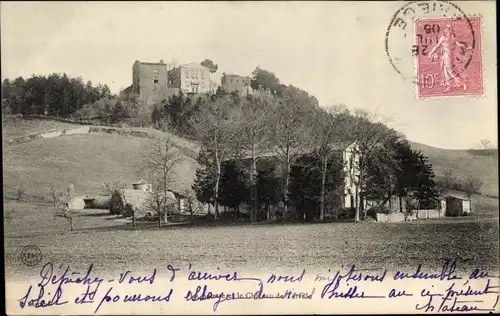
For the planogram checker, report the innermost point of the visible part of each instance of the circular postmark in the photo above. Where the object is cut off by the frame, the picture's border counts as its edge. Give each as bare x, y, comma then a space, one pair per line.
31, 255
419, 28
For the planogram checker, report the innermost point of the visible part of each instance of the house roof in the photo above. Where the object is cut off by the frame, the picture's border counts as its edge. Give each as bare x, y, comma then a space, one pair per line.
134, 197
141, 182
153, 64
455, 194
177, 194
138, 198
195, 66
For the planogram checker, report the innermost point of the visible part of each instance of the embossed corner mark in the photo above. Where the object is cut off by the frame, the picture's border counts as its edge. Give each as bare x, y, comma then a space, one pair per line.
448, 57
31, 255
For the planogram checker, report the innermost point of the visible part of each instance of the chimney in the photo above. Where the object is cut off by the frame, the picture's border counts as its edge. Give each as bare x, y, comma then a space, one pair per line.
161, 61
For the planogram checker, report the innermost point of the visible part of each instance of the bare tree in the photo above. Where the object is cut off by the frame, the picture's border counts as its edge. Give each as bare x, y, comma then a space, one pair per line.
66, 212
114, 187
328, 132
486, 144
216, 128
288, 133
53, 193
191, 204
252, 138
471, 185
369, 131
159, 163
156, 203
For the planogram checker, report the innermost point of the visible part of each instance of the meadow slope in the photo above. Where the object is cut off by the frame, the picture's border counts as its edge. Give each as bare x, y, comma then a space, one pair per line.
463, 163
86, 161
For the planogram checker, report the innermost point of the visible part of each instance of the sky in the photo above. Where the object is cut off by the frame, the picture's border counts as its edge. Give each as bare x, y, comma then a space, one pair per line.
333, 50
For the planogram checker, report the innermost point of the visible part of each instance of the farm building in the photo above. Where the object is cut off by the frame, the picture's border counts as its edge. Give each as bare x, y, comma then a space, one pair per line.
140, 200
97, 202
181, 202
456, 204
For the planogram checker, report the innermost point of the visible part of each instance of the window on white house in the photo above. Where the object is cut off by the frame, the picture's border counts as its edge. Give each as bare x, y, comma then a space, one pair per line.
155, 80
155, 70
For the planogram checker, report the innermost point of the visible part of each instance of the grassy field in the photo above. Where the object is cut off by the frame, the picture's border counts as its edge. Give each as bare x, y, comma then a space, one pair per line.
111, 245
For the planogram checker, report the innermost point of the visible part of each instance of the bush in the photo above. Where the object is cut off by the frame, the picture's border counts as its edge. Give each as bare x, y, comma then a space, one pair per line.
20, 193
381, 209
346, 212
100, 108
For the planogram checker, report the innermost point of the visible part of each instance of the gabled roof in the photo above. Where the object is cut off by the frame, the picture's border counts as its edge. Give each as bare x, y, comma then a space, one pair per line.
455, 194
194, 65
177, 194
139, 198
133, 197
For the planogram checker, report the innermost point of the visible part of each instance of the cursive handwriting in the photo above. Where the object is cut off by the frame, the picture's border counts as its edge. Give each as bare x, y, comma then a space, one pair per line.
285, 278
332, 288
133, 298
451, 299
205, 276
49, 277
140, 279
356, 275
445, 291
39, 301
447, 273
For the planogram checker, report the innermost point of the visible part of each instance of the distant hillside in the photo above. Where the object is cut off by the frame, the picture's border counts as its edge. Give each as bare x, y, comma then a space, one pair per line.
89, 160
482, 164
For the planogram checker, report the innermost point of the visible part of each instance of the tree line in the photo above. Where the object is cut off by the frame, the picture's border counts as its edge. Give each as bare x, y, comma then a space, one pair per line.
54, 95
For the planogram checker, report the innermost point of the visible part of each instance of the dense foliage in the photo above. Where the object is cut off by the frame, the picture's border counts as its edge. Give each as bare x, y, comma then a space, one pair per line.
305, 186
54, 95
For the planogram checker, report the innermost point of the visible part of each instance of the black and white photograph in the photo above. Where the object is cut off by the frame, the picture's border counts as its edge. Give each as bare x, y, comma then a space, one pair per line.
250, 157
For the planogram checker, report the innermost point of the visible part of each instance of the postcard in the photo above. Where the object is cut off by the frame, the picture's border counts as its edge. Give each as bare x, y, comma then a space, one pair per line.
236, 158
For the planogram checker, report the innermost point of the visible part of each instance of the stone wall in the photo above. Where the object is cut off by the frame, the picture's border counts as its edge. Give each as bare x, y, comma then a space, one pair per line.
151, 134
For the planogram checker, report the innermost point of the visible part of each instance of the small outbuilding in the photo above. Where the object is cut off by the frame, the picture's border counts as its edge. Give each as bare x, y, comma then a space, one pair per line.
181, 202
456, 204
139, 201
126, 201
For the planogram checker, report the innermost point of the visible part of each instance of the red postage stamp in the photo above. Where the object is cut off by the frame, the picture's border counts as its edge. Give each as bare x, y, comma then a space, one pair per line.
448, 57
